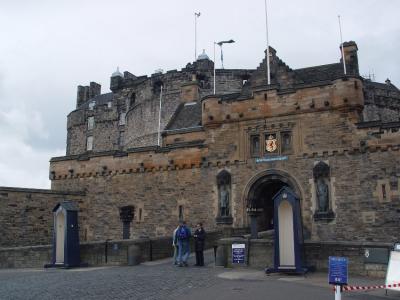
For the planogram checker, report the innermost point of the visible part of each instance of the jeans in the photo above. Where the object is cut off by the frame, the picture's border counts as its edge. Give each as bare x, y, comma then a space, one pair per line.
183, 251
176, 253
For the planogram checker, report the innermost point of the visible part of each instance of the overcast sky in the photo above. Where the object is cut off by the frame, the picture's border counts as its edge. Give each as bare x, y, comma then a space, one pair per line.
47, 48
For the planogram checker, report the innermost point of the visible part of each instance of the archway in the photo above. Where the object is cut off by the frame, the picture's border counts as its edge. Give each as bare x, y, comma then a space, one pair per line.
260, 191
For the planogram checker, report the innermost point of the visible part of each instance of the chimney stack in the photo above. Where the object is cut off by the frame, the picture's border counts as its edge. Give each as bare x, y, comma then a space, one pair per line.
87, 92
351, 57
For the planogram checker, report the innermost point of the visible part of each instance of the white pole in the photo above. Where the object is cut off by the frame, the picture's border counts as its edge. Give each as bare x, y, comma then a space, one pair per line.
214, 70
195, 36
266, 27
196, 15
159, 119
341, 43
338, 292
222, 58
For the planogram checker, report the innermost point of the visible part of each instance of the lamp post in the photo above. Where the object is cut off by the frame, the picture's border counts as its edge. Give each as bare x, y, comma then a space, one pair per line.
222, 56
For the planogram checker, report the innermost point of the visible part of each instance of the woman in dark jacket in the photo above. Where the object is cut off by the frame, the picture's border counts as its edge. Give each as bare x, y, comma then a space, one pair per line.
199, 240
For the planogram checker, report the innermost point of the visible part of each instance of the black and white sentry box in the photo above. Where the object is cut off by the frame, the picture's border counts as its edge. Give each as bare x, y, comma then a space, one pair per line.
66, 252
393, 271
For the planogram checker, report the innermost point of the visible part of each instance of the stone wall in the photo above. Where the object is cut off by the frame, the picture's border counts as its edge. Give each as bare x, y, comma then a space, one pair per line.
101, 253
26, 215
142, 113
260, 254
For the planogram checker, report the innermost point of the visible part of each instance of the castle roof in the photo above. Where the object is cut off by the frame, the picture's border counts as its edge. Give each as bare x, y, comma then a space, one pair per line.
102, 99
319, 73
186, 116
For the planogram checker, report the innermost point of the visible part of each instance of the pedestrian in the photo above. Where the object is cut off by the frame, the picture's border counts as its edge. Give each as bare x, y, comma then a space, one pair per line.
175, 245
199, 241
183, 236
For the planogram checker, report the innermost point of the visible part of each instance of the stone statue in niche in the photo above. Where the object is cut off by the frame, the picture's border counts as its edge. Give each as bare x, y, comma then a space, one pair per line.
322, 195
224, 198
224, 201
321, 174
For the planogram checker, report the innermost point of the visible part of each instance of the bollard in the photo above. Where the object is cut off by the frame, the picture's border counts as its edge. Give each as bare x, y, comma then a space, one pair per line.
221, 259
133, 255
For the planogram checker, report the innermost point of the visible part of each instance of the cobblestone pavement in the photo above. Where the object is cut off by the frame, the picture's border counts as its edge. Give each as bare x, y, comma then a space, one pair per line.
162, 280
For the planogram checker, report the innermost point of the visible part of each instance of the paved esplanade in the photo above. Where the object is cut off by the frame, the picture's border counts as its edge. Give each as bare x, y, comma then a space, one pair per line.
161, 280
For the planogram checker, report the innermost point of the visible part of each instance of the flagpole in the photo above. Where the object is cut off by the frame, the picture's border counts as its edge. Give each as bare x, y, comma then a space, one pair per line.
196, 15
159, 119
214, 69
341, 44
266, 27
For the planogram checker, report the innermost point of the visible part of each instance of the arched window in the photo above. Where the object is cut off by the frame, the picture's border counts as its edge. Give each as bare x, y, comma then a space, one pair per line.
132, 99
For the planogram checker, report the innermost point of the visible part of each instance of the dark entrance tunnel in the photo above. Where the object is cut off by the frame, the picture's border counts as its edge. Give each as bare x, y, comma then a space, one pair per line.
262, 198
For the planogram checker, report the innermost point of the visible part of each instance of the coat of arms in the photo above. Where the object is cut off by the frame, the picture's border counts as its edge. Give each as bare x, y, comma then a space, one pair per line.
271, 143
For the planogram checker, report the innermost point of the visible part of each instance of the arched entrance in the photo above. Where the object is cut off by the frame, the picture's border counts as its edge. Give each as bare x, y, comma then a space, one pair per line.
259, 195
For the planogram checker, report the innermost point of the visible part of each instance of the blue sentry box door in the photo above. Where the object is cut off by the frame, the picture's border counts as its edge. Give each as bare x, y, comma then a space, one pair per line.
338, 270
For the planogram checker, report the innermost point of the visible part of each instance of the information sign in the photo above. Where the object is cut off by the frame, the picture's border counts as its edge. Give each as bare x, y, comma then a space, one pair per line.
338, 270
238, 253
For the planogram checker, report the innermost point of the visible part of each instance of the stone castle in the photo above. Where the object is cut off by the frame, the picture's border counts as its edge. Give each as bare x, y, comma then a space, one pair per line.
167, 147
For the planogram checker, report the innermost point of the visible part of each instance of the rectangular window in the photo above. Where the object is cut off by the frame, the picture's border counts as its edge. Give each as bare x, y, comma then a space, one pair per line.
286, 140
384, 196
180, 212
89, 143
255, 145
122, 118
92, 105
90, 123
140, 214
121, 138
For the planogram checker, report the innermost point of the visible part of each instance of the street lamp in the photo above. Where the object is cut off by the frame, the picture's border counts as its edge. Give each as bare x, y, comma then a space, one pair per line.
222, 56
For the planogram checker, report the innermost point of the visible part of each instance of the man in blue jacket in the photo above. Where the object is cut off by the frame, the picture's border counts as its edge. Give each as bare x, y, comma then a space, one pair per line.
183, 237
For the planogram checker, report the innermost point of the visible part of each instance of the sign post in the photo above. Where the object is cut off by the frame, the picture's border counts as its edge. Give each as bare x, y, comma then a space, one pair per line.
338, 274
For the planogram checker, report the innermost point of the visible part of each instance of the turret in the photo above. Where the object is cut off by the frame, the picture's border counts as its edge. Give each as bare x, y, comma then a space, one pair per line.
116, 80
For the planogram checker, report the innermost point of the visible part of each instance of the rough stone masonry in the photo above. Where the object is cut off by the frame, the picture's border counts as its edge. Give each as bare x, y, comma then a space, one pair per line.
312, 129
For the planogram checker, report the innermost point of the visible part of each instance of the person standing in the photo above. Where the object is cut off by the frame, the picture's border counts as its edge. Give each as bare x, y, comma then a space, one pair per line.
183, 236
175, 245
199, 241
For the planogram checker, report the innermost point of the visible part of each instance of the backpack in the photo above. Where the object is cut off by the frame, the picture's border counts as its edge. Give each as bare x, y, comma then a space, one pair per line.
182, 233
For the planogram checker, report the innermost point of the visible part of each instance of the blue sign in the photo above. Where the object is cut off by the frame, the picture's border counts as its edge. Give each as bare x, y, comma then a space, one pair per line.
268, 159
338, 270
238, 253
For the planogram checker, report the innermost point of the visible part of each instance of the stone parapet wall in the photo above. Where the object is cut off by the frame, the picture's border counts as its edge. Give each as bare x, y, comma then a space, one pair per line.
260, 254
26, 216
101, 253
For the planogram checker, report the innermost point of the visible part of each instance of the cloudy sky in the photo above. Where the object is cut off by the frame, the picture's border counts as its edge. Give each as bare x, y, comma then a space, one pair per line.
47, 48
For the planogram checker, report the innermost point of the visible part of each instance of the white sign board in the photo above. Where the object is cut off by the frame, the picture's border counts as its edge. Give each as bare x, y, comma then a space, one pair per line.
393, 271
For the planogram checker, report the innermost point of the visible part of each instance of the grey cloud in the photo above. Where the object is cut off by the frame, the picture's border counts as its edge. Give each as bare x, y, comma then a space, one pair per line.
53, 46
